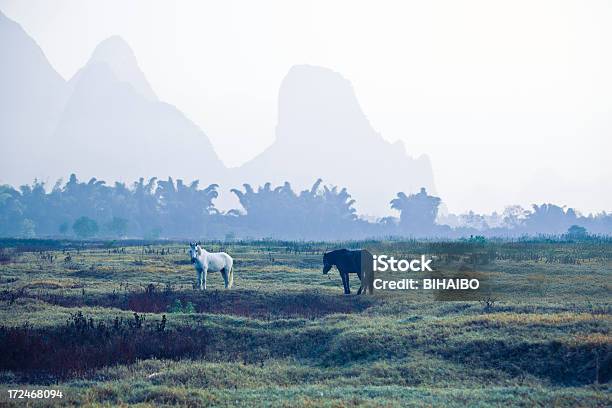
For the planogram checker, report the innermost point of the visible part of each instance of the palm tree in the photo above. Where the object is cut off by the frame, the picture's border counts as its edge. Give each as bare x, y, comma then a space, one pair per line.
418, 212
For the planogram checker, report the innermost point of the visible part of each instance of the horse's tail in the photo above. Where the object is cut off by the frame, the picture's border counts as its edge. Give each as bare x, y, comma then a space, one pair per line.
230, 277
367, 283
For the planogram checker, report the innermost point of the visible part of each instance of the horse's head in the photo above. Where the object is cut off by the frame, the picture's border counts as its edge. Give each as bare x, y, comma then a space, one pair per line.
194, 251
327, 262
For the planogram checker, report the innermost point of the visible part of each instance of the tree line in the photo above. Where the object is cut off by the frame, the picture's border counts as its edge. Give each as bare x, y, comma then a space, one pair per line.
154, 208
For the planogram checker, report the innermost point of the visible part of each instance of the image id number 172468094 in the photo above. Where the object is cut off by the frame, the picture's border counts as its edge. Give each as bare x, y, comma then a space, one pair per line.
35, 394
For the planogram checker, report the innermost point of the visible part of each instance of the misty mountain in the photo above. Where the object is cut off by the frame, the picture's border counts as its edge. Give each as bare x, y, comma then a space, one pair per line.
32, 96
107, 122
120, 58
323, 132
114, 128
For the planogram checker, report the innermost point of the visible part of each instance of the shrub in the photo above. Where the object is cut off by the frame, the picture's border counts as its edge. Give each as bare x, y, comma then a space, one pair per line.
85, 227
178, 307
6, 256
83, 344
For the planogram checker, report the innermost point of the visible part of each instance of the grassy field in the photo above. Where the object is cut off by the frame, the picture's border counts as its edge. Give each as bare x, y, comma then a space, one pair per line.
120, 323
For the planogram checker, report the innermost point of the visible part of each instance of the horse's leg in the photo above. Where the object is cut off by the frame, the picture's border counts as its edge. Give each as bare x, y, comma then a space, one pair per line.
231, 275
203, 279
224, 274
370, 282
348, 285
360, 280
345, 283
198, 278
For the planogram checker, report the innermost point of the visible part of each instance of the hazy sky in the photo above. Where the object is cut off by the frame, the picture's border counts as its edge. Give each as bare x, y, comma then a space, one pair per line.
512, 100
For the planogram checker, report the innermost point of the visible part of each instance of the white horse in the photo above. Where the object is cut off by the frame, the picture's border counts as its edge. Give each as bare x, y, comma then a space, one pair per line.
205, 262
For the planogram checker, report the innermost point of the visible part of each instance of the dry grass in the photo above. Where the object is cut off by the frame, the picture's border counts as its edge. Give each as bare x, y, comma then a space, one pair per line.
296, 340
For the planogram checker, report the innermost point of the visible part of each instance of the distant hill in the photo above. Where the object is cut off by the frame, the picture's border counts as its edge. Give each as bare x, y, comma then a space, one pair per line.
114, 128
323, 132
108, 123
32, 96
120, 58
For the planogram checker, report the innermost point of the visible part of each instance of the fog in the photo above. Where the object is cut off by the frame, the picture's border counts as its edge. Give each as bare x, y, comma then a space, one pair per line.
509, 100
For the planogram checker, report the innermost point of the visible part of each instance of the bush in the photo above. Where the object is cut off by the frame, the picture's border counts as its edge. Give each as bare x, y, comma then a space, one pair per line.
85, 227
6, 256
178, 307
84, 344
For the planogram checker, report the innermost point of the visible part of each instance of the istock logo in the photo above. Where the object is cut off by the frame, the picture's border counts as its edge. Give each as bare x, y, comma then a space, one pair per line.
384, 263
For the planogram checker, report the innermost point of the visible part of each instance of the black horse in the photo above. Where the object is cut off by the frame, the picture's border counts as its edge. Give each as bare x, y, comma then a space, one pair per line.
347, 261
